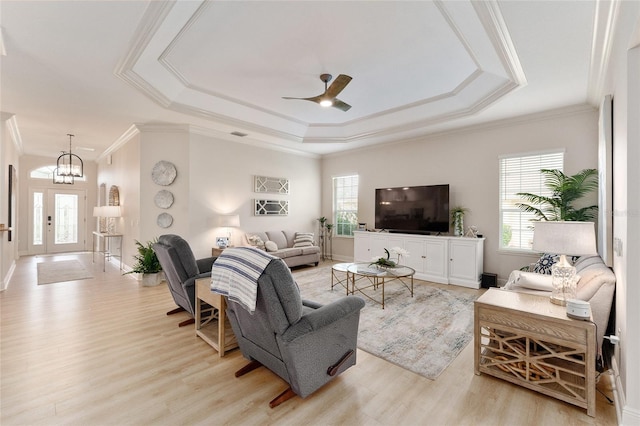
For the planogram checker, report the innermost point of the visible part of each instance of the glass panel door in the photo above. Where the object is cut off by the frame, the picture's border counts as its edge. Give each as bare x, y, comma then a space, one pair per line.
57, 221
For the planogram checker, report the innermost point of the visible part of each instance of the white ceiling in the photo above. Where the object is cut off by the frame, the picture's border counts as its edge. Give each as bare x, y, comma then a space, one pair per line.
96, 68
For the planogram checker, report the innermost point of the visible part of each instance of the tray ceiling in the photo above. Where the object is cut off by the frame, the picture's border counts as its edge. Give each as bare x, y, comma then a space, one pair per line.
97, 68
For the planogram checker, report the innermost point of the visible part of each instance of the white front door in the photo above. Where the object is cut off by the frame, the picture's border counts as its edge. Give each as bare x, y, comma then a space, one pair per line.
57, 220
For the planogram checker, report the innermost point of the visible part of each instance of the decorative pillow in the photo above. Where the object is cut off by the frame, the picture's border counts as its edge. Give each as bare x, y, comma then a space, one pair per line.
256, 241
547, 260
544, 264
530, 280
303, 239
271, 246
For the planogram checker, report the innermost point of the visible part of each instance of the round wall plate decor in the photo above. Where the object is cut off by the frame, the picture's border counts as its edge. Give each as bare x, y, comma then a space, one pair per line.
163, 199
164, 173
164, 220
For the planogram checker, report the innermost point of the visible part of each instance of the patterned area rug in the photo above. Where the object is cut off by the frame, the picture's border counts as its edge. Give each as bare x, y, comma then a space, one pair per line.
61, 270
423, 334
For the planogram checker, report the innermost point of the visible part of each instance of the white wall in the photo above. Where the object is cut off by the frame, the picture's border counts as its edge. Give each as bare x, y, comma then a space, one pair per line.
124, 172
624, 83
468, 161
222, 182
8, 155
215, 177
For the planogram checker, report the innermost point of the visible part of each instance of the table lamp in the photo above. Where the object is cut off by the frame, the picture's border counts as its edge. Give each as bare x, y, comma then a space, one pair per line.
230, 221
111, 212
564, 238
97, 212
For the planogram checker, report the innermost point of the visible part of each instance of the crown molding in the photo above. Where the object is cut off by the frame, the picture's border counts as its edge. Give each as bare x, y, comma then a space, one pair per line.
604, 25
14, 132
161, 30
120, 142
495, 124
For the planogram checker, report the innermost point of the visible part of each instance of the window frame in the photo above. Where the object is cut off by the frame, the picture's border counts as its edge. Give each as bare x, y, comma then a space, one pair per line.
535, 186
338, 228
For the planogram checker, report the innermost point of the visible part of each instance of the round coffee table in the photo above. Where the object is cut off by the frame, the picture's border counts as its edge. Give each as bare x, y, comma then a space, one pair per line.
365, 276
336, 275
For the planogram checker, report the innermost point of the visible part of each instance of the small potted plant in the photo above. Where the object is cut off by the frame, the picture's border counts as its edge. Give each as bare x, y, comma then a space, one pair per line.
457, 220
382, 262
147, 264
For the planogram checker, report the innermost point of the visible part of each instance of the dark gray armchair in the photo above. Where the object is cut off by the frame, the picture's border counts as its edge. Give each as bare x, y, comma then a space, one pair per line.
181, 269
304, 343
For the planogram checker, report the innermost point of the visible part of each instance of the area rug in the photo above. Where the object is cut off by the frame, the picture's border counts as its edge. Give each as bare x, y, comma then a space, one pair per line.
61, 270
423, 334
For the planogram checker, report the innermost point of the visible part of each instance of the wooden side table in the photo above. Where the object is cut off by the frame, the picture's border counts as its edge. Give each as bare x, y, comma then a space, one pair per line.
529, 341
215, 330
215, 251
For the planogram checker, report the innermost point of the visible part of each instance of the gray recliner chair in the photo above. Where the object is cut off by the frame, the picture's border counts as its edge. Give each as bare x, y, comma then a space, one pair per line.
181, 269
304, 343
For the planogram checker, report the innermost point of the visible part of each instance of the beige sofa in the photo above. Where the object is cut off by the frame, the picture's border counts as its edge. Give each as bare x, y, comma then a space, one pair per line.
286, 248
596, 286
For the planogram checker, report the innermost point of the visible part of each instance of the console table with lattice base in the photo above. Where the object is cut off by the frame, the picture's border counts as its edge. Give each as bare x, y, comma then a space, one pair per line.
526, 340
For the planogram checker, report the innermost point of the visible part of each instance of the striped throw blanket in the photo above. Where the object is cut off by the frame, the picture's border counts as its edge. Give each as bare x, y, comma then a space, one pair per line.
235, 274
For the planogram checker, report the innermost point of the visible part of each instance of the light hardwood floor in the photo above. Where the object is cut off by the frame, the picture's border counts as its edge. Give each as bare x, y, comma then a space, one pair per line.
102, 351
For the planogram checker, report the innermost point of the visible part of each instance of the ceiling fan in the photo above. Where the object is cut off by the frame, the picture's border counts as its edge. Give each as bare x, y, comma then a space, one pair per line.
328, 98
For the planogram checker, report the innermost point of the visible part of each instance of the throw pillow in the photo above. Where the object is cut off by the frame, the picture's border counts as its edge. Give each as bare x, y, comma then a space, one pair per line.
544, 264
547, 260
256, 241
529, 280
271, 246
303, 239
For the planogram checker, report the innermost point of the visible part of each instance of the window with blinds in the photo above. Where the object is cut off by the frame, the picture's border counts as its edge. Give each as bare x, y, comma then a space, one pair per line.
345, 204
522, 174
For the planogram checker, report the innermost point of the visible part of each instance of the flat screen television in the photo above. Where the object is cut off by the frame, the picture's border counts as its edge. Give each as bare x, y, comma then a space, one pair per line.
413, 209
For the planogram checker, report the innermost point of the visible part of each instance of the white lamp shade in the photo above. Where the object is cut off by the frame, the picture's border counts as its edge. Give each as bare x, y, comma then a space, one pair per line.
569, 238
111, 211
97, 212
230, 221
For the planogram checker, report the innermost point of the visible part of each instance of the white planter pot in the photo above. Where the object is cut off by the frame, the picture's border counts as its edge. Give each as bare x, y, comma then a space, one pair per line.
151, 280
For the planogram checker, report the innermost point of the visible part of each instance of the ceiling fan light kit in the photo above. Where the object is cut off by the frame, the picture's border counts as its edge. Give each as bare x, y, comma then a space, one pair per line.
329, 97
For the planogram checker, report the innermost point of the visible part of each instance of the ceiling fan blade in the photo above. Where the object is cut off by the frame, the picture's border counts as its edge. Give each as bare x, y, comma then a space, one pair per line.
337, 103
315, 99
338, 85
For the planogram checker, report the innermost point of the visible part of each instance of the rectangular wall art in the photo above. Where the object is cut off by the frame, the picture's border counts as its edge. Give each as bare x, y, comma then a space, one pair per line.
271, 207
271, 184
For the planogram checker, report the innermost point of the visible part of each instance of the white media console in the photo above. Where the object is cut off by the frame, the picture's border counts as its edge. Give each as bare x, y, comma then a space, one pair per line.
447, 260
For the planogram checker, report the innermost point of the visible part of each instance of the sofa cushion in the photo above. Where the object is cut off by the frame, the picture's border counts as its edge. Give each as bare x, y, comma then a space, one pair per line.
290, 236
288, 252
310, 250
279, 238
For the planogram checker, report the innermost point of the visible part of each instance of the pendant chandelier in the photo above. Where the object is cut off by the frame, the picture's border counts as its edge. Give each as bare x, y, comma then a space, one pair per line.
66, 166
68, 180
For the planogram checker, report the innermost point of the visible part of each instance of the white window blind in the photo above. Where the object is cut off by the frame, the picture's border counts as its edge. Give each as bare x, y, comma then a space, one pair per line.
522, 174
345, 204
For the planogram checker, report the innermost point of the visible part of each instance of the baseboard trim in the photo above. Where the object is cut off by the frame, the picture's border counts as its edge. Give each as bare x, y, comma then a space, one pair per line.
625, 415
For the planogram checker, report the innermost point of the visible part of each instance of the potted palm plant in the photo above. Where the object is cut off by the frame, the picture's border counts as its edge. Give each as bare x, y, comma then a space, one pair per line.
147, 264
565, 191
